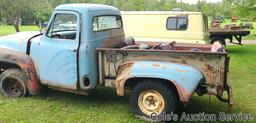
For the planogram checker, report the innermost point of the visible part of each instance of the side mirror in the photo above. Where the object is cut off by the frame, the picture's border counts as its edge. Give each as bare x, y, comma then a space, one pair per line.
43, 26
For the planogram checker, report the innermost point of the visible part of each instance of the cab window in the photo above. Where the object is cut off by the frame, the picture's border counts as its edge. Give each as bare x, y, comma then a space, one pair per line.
177, 23
106, 22
63, 26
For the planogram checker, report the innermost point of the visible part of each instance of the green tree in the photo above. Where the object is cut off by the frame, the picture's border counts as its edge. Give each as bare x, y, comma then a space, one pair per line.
43, 11
245, 9
14, 9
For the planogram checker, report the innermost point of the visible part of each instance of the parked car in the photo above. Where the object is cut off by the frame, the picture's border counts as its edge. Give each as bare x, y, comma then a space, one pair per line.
247, 24
45, 24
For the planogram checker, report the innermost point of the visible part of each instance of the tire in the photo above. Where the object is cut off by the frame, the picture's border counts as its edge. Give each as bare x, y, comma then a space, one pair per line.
13, 83
167, 101
218, 39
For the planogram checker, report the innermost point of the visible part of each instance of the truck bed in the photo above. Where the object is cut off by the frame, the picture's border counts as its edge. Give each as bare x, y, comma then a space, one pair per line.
213, 65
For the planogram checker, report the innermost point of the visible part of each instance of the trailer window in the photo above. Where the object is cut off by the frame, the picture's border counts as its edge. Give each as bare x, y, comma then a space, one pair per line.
106, 22
177, 23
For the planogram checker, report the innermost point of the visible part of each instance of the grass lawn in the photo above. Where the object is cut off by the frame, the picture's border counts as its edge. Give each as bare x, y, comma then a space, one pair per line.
8, 29
250, 37
103, 106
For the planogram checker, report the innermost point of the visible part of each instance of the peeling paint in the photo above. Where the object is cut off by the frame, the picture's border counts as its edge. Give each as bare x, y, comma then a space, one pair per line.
169, 65
27, 66
131, 70
155, 65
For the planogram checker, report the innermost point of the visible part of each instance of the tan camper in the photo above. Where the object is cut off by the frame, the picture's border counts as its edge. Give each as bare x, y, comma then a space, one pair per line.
166, 26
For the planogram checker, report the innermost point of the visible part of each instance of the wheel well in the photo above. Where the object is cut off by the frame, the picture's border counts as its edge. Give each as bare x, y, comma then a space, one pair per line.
5, 65
130, 83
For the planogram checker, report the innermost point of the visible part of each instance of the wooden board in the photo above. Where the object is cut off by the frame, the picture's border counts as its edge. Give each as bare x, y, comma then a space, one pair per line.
229, 32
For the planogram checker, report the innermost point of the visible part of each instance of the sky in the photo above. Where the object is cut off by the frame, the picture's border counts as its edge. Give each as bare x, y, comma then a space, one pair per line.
195, 1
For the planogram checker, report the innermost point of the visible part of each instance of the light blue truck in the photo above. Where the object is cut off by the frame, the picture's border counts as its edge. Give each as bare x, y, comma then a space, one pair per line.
84, 46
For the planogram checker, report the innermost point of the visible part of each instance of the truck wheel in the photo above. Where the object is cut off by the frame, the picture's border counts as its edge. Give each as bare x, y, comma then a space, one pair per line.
150, 98
218, 39
13, 83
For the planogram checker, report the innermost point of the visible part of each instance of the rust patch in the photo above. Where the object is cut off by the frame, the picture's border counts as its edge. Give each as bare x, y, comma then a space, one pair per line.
80, 92
33, 83
122, 76
179, 62
155, 65
61, 87
183, 94
210, 72
181, 71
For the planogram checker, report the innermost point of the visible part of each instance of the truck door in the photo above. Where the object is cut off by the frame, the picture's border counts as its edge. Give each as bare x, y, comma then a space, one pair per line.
58, 51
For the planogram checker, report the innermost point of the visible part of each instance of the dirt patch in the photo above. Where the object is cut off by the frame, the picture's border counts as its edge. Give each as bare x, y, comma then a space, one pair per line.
243, 42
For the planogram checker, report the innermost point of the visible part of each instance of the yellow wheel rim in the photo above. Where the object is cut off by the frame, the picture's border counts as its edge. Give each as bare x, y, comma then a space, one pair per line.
151, 101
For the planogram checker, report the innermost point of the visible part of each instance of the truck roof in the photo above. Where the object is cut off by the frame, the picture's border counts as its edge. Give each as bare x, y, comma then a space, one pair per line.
84, 7
159, 12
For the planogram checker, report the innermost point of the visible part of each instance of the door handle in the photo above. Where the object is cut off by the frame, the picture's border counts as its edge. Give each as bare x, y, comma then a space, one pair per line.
72, 49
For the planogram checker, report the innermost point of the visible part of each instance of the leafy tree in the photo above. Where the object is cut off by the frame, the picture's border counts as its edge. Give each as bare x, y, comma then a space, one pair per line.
15, 9
12, 10
245, 9
43, 11
33, 10
227, 8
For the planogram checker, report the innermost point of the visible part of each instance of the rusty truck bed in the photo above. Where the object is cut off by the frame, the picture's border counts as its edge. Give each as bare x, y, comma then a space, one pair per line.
213, 65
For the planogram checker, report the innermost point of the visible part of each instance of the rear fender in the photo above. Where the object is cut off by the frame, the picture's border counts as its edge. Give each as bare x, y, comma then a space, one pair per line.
25, 63
185, 78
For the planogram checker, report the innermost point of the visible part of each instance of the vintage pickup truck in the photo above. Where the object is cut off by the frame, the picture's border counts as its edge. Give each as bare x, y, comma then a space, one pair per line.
84, 47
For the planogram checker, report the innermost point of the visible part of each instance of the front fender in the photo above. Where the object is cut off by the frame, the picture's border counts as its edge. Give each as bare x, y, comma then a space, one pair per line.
25, 63
184, 77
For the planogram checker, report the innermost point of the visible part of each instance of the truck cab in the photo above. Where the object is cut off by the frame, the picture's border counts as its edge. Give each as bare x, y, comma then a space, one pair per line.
65, 56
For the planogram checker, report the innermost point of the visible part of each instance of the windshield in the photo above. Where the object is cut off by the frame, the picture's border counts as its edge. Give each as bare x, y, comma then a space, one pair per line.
63, 26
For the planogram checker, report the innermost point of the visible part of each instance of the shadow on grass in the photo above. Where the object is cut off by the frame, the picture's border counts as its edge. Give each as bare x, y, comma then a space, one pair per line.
107, 97
98, 96
106, 100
